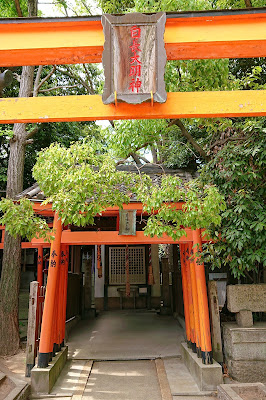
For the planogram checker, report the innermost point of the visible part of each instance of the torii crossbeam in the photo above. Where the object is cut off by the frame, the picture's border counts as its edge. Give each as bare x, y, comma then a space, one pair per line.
196, 35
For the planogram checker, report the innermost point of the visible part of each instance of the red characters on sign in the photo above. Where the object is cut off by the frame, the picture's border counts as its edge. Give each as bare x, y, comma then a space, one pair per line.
135, 84
135, 68
135, 46
135, 31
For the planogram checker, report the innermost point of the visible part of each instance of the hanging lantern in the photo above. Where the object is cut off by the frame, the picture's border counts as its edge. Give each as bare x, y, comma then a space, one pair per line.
99, 262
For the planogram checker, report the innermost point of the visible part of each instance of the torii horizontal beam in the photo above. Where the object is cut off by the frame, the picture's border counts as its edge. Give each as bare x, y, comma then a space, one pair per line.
178, 105
197, 35
113, 238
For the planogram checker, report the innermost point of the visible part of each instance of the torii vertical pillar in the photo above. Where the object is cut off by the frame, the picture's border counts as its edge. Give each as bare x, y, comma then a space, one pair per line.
195, 300
46, 339
64, 267
186, 265
204, 319
185, 293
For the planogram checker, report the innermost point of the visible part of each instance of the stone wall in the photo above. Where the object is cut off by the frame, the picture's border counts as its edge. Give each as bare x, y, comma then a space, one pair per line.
245, 351
245, 342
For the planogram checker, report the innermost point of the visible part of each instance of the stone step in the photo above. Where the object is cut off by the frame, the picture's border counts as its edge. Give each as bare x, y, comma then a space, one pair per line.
12, 388
2, 376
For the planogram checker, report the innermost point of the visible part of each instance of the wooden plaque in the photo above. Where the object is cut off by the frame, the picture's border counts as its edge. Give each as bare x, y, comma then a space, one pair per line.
134, 58
127, 222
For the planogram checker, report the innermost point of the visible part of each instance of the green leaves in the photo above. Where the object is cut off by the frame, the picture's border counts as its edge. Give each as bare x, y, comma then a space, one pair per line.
20, 220
239, 172
201, 207
132, 135
6, 132
81, 182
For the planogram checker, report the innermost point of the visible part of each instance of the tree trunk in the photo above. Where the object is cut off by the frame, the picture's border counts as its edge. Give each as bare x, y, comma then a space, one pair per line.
154, 155
10, 278
11, 267
9, 292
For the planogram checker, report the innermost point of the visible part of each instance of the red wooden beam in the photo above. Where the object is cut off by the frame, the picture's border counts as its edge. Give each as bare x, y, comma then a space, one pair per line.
197, 35
113, 238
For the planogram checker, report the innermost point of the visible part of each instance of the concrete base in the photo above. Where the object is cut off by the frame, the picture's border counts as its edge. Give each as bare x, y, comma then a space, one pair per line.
240, 391
247, 371
245, 343
43, 379
245, 351
207, 377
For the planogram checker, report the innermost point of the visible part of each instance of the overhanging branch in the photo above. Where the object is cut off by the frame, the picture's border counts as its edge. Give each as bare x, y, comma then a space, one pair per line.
185, 133
18, 8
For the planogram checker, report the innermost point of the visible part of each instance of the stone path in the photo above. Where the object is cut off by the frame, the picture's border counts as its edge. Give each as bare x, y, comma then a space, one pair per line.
126, 355
126, 334
126, 380
123, 380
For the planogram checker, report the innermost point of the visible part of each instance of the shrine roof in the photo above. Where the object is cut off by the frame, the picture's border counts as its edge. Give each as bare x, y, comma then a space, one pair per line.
155, 172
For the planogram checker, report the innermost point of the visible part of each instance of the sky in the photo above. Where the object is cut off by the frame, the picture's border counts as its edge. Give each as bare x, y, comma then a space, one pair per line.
49, 10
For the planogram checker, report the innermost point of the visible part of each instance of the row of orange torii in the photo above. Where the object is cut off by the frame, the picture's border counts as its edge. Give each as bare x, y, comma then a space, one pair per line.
193, 283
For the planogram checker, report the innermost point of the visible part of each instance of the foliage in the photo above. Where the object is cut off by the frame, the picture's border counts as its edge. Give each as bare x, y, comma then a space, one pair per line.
8, 8
197, 75
243, 67
64, 133
20, 219
227, 4
81, 182
238, 170
115, 6
132, 135
201, 208
118, 6
153, 5
140, 136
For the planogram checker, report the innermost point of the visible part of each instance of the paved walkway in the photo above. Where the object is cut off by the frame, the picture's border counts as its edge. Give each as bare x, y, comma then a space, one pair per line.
126, 355
126, 335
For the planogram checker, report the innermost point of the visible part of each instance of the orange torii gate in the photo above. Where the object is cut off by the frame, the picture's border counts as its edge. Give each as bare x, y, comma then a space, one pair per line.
195, 35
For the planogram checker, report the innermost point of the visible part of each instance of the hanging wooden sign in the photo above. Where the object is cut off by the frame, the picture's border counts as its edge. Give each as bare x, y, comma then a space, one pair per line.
134, 58
127, 222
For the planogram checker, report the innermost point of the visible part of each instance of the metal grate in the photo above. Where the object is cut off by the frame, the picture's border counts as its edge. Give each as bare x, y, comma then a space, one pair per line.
117, 268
